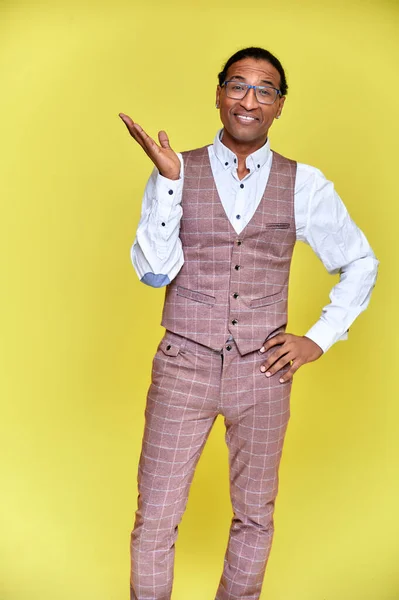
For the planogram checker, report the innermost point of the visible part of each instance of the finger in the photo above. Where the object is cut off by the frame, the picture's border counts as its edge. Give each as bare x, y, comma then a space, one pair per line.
163, 139
132, 128
280, 364
149, 143
136, 134
273, 358
125, 118
289, 374
128, 122
277, 339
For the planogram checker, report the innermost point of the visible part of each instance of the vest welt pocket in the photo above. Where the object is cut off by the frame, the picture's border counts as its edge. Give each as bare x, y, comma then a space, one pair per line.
196, 296
277, 225
265, 300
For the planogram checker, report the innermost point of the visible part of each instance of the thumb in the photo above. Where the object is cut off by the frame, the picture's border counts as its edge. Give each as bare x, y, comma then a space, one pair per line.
163, 139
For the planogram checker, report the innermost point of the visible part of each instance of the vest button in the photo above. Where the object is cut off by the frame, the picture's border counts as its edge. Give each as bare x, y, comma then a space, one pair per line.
239, 242
237, 267
228, 348
234, 322
168, 347
235, 295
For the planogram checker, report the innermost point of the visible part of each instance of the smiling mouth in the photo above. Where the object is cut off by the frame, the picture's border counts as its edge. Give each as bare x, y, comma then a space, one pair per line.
245, 118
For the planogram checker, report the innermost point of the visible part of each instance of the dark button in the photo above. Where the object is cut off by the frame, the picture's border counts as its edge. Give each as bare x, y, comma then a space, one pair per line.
258, 166
242, 185
235, 160
237, 267
170, 192
238, 216
234, 322
168, 347
225, 164
163, 224
235, 295
239, 242
228, 348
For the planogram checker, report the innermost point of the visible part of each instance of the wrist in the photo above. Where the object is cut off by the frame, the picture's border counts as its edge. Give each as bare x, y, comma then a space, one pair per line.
317, 348
172, 176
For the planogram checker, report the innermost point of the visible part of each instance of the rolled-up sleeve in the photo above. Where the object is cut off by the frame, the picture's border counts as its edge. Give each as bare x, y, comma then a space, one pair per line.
157, 253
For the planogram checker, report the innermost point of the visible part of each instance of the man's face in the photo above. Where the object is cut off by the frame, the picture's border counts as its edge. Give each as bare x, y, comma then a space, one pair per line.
247, 121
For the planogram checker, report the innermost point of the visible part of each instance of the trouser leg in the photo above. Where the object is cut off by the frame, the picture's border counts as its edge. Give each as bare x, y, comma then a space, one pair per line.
256, 411
180, 411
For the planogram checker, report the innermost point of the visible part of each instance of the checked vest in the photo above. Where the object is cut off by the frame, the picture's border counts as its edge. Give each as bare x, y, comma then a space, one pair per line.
229, 283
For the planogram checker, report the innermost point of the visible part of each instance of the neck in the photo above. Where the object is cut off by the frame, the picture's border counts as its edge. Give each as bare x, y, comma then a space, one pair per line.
241, 149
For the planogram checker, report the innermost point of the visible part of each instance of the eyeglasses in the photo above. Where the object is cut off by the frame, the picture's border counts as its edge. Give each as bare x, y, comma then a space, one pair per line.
238, 90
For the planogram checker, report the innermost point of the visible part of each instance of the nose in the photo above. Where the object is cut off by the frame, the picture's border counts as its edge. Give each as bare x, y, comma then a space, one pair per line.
249, 102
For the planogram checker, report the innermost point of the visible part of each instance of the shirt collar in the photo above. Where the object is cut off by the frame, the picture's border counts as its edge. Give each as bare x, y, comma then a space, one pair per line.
228, 159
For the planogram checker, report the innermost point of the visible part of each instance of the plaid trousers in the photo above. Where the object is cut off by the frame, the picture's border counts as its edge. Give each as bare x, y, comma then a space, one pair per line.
191, 384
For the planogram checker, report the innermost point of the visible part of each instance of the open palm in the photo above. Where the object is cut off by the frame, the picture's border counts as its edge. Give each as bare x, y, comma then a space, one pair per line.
162, 155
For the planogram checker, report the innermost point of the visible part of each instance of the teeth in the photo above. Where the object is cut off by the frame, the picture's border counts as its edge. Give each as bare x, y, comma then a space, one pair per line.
246, 118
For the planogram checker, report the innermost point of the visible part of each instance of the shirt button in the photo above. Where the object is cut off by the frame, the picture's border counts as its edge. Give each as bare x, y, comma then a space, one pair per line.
241, 185
237, 267
235, 160
238, 216
234, 322
228, 348
235, 295
168, 347
163, 224
170, 192
258, 166
226, 164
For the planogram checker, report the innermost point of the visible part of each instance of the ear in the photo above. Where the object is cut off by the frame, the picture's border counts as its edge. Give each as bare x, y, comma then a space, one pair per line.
218, 92
280, 107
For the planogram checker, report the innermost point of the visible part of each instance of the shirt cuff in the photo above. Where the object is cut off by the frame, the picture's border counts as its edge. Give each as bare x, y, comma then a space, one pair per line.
324, 335
167, 193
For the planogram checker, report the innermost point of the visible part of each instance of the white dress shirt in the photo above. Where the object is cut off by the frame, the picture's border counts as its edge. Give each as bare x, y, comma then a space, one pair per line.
321, 220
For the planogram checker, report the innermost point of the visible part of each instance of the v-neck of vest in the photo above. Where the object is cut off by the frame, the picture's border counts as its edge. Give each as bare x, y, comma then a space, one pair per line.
241, 235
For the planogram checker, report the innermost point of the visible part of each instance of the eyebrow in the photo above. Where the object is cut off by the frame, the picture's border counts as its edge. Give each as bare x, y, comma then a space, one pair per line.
262, 81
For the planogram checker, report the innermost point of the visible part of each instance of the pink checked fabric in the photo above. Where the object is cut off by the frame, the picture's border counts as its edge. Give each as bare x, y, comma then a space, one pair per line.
229, 287
231, 283
191, 385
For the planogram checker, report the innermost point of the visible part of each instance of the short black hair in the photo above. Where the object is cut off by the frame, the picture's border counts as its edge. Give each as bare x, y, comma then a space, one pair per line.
258, 54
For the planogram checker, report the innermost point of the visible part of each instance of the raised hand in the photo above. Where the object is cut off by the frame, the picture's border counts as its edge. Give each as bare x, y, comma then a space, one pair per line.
163, 157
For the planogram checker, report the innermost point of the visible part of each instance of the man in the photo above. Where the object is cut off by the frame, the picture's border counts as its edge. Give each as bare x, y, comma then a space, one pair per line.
218, 228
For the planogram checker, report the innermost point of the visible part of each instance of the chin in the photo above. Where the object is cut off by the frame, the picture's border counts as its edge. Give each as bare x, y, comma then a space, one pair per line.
247, 136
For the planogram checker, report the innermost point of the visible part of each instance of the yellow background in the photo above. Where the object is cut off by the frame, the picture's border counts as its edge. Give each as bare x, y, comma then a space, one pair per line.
78, 330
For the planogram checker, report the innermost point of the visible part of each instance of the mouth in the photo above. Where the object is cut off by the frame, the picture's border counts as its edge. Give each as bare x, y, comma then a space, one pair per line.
246, 119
